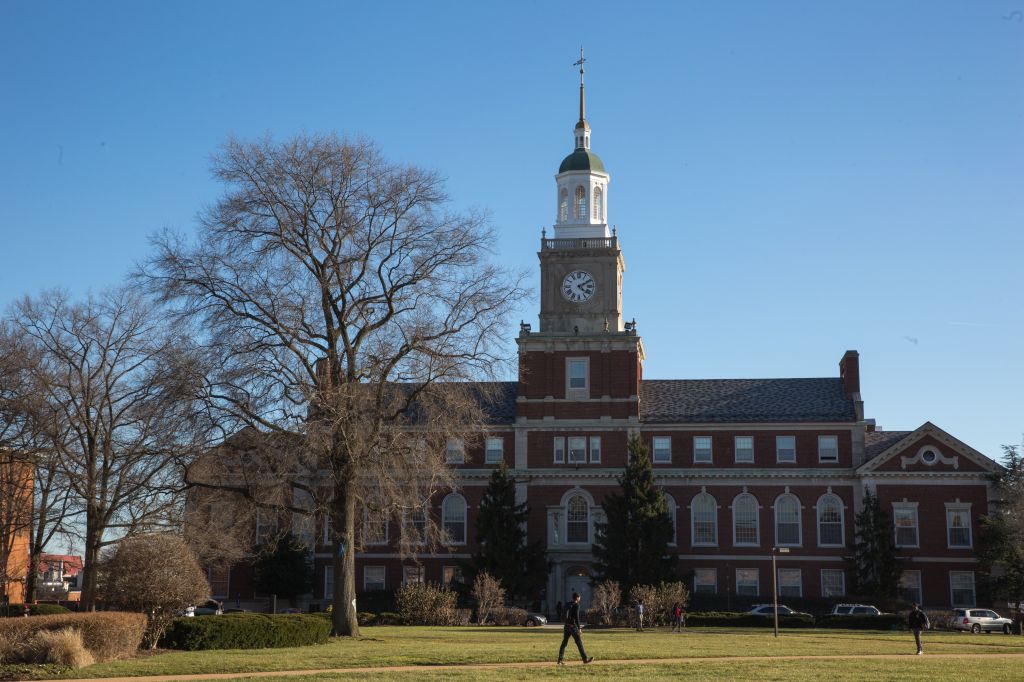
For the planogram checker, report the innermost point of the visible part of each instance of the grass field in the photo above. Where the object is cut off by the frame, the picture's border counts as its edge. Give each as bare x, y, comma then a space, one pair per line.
427, 646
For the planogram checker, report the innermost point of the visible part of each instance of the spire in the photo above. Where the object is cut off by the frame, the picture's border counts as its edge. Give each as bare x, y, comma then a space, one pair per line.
583, 116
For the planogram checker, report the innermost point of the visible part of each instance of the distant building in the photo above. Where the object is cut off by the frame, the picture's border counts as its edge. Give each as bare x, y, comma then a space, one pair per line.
59, 577
16, 481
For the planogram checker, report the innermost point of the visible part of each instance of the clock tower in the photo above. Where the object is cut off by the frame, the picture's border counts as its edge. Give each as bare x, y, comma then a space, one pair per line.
584, 352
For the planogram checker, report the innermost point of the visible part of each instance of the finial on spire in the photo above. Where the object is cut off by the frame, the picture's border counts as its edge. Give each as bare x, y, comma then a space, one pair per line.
580, 63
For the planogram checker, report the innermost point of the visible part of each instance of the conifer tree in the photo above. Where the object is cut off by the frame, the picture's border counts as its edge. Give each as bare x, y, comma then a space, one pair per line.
877, 568
632, 542
501, 540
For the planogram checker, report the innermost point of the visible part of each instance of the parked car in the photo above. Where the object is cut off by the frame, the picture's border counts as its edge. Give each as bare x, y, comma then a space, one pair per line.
290, 609
854, 610
210, 607
980, 620
769, 609
535, 619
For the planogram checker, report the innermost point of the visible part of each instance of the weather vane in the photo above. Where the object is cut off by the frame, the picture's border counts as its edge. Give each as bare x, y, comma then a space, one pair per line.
580, 63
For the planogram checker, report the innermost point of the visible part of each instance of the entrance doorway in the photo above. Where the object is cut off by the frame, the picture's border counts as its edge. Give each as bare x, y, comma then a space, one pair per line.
577, 579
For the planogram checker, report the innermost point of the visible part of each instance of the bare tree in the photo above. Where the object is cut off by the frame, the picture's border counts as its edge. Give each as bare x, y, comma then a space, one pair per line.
109, 371
344, 307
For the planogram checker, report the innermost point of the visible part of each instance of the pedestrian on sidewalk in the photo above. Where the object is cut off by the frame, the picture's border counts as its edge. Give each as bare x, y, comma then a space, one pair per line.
572, 629
918, 621
677, 617
639, 615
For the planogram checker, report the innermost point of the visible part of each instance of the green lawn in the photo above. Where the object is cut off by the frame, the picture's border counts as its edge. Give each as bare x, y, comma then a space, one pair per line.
382, 646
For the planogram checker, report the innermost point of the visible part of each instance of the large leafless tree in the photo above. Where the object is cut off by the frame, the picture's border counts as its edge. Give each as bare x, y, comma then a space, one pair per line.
109, 373
343, 305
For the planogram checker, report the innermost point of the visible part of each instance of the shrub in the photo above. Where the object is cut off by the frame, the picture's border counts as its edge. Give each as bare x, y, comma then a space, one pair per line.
507, 615
366, 618
107, 636
489, 595
246, 631
157, 575
886, 621
13, 610
62, 647
607, 597
426, 604
391, 618
659, 599
741, 620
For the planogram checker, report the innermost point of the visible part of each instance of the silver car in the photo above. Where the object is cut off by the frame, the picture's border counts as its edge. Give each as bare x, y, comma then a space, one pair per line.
980, 620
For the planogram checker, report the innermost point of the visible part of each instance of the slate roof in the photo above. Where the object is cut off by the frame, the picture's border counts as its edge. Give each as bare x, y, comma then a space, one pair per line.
744, 400
877, 442
498, 399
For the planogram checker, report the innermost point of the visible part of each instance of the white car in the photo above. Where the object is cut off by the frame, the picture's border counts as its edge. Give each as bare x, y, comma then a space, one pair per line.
854, 610
981, 620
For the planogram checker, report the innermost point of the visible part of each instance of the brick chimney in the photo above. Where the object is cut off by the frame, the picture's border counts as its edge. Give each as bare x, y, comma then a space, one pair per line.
849, 372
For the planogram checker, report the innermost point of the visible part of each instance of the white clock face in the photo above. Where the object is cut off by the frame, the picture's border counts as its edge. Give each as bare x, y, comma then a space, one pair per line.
578, 286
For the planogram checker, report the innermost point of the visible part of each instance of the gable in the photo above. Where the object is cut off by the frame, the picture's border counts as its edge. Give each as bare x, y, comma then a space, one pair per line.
928, 449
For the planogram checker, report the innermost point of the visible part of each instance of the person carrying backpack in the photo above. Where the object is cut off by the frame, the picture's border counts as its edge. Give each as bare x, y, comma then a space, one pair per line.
918, 621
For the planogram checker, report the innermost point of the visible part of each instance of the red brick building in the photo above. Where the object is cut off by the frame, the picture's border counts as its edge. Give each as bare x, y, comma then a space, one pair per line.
747, 464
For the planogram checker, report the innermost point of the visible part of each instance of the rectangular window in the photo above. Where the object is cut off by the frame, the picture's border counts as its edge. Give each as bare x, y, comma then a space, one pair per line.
577, 372
745, 449
451, 575
373, 578
328, 582
705, 580
958, 525
559, 450
961, 588
904, 518
785, 448
418, 525
910, 587
790, 582
266, 526
828, 448
375, 529
595, 449
833, 582
577, 450
702, 449
412, 574
747, 582
495, 450
220, 581
662, 450
455, 451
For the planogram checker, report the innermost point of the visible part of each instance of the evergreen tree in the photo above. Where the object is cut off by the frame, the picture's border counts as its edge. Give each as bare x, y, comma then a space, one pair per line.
876, 566
631, 546
501, 540
283, 567
1001, 535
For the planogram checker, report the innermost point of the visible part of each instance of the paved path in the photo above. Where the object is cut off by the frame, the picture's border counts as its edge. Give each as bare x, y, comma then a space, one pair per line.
532, 664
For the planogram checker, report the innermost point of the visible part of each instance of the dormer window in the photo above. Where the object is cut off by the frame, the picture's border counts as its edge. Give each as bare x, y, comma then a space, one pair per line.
581, 203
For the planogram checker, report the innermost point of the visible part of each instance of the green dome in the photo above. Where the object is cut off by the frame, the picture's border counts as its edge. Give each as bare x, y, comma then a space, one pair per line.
582, 160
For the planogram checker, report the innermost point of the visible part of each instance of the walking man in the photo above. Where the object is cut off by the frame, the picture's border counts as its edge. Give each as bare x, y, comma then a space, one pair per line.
572, 629
639, 615
677, 618
917, 621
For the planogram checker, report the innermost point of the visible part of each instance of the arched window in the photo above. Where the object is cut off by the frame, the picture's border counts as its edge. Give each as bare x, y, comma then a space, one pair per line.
744, 520
670, 502
577, 519
563, 205
598, 203
704, 520
581, 203
830, 521
787, 520
453, 517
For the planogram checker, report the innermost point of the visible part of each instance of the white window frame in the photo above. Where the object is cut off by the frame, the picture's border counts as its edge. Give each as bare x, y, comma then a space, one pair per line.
779, 449
577, 450
789, 573
709, 450
271, 523
366, 576
952, 590
445, 521
822, 459
455, 451
595, 449
673, 512
916, 574
819, 507
559, 449
456, 579
703, 496
661, 450
799, 520
494, 450
757, 582
577, 392
757, 521
953, 508
737, 449
586, 506
904, 507
833, 572
417, 571
419, 528
713, 572
377, 541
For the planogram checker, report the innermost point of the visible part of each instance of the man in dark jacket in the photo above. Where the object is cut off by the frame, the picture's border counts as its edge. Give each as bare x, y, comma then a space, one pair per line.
572, 629
917, 621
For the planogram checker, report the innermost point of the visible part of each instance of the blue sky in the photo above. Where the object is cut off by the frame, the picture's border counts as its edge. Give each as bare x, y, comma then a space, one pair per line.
789, 179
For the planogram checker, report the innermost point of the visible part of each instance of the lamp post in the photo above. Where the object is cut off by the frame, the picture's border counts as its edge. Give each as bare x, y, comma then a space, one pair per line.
775, 585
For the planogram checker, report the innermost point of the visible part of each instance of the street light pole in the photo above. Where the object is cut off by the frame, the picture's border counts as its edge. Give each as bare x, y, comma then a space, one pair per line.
775, 586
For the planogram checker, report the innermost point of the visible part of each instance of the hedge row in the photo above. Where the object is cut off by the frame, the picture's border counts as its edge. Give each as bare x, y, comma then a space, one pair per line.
14, 610
726, 619
246, 631
107, 635
886, 621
